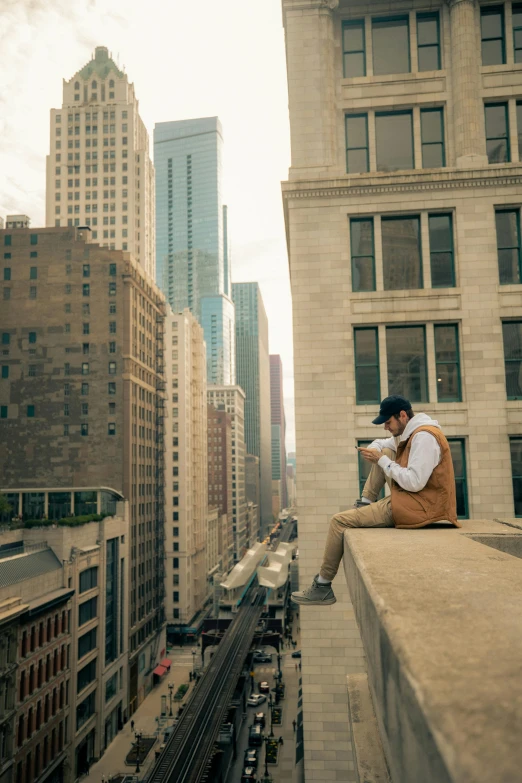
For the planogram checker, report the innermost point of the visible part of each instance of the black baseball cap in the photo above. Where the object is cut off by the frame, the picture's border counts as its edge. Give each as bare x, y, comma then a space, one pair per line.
390, 405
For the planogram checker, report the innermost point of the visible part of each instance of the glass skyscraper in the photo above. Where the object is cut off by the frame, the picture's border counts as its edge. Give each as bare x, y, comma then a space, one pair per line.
192, 255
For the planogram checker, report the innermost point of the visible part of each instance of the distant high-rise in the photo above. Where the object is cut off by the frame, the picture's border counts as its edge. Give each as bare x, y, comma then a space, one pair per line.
192, 249
277, 409
99, 172
253, 375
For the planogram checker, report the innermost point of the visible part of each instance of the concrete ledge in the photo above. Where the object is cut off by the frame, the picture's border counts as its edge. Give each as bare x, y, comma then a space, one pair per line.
370, 764
440, 615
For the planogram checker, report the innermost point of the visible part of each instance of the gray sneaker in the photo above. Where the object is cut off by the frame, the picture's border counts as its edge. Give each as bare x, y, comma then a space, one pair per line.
360, 503
316, 595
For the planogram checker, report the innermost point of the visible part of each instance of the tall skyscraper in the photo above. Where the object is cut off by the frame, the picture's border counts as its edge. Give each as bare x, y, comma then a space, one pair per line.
253, 375
231, 399
192, 250
278, 423
82, 400
99, 172
186, 471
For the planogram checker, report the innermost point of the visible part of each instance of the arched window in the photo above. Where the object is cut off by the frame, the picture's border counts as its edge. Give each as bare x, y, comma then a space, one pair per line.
111, 84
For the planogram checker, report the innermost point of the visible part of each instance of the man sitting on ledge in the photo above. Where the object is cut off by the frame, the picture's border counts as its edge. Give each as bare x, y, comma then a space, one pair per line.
417, 466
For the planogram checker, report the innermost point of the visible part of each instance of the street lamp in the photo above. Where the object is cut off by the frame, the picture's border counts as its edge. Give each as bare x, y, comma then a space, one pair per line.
171, 687
138, 738
194, 652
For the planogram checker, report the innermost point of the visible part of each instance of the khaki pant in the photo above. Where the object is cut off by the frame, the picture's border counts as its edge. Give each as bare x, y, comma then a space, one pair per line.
375, 514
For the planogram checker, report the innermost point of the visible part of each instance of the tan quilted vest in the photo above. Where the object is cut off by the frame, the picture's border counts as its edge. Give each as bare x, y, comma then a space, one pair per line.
437, 501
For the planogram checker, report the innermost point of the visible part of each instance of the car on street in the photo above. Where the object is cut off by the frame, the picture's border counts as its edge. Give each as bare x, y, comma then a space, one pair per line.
249, 774
296, 654
255, 699
251, 757
255, 736
264, 687
260, 718
261, 657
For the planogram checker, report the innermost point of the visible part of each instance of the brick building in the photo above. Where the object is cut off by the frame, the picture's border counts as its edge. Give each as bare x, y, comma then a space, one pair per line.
219, 438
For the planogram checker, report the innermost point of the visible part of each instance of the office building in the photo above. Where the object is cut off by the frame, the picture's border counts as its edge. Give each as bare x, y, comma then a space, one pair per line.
192, 250
219, 440
82, 389
99, 172
252, 483
231, 400
186, 475
402, 215
278, 428
253, 375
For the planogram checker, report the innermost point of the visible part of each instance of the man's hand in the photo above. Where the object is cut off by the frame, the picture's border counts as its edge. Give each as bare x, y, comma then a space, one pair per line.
370, 455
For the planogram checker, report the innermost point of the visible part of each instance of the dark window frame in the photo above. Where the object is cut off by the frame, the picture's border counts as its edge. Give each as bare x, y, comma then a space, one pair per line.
348, 149
491, 11
439, 362
442, 142
440, 252
507, 137
518, 247
357, 24
355, 256
425, 17
376, 363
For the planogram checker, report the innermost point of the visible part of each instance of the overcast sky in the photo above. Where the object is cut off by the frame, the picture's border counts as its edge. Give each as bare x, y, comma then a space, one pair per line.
187, 58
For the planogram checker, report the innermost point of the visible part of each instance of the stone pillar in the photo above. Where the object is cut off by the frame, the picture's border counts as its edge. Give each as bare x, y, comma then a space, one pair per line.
468, 111
309, 31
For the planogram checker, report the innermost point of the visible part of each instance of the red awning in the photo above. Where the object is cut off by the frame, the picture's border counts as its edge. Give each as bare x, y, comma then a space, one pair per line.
166, 663
160, 671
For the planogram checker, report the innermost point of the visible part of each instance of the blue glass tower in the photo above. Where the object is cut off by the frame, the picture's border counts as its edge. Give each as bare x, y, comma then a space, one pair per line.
192, 256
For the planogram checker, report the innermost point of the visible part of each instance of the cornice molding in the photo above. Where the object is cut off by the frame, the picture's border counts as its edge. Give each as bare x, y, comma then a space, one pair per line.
310, 5
468, 180
453, 3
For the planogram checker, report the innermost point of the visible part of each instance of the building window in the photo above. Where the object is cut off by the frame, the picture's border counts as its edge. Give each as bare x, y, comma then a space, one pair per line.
8, 240
7, 293
32, 370
112, 270
6, 338
30, 411
394, 140
512, 336
7, 273
175, 562
86, 289
354, 49
85, 389
364, 469
447, 363
357, 155
5, 371
111, 687
88, 579
428, 42
497, 133
112, 368
85, 408
432, 138
517, 31
111, 428
34, 239
401, 253
112, 327
112, 289
66, 409
86, 676
87, 642
492, 35
32, 337
112, 347
391, 45
3, 411
32, 292
516, 473
508, 245
86, 328
363, 254
33, 273
441, 251
367, 376
65, 429
406, 352
112, 388
458, 455
85, 368
86, 270
84, 429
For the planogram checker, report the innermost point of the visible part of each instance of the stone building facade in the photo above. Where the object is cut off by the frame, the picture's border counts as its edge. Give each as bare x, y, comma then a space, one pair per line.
219, 440
82, 399
99, 171
402, 213
186, 472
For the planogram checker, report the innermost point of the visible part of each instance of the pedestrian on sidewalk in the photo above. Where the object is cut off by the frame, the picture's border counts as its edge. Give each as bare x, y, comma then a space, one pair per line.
281, 741
132, 725
299, 665
294, 724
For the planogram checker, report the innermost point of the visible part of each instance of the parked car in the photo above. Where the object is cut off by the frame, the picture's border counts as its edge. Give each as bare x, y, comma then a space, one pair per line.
296, 654
256, 699
255, 735
261, 657
264, 687
249, 775
260, 718
251, 757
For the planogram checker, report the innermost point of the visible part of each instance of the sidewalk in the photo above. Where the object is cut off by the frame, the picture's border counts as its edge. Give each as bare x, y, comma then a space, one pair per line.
113, 760
285, 771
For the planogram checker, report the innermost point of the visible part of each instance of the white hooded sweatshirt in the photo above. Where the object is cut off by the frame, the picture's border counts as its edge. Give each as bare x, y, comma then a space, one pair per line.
424, 454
